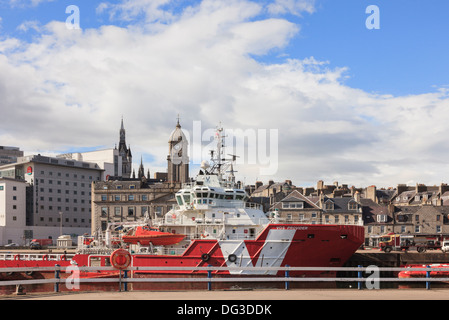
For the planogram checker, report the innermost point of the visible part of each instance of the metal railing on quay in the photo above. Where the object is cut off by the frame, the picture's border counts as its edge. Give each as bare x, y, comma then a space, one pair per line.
231, 277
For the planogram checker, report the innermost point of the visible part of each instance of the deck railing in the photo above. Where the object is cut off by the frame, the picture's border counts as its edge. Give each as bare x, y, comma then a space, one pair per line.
123, 280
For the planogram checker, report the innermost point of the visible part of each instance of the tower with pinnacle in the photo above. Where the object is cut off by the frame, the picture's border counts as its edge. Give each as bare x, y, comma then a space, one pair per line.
125, 153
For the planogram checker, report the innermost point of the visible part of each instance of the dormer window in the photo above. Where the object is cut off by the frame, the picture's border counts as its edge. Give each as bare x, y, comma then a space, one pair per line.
329, 205
352, 205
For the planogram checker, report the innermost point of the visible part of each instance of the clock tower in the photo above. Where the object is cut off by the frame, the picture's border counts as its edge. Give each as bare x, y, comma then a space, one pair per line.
178, 158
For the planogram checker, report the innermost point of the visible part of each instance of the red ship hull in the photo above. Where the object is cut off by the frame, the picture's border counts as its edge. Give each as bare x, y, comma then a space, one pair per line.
279, 245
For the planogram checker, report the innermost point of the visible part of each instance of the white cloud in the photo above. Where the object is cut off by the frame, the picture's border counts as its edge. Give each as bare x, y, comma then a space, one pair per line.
26, 3
27, 25
130, 9
296, 7
69, 88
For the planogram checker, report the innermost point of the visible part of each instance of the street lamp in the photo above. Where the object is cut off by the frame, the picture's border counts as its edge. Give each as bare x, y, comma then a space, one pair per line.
60, 224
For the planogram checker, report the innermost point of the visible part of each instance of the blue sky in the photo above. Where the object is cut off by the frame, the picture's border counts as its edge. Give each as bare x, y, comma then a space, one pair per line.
351, 104
407, 55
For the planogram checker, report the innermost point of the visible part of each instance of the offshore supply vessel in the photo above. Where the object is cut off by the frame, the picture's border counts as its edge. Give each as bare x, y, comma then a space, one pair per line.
213, 224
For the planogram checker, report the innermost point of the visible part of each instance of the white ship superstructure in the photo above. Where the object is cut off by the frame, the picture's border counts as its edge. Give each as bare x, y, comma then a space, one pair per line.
213, 207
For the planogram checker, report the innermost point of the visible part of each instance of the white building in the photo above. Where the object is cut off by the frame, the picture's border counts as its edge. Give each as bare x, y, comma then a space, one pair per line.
12, 210
55, 188
108, 159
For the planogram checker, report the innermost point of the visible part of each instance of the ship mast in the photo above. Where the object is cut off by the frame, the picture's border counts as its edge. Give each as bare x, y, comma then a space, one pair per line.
220, 164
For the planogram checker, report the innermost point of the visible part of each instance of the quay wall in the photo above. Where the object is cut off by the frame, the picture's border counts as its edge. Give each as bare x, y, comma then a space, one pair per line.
396, 259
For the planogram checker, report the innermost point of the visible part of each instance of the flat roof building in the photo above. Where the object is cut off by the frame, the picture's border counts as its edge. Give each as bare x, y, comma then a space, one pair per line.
9, 154
57, 188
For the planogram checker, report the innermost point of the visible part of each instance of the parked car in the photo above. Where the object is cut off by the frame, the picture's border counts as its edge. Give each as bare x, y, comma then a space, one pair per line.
445, 246
11, 245
35, 246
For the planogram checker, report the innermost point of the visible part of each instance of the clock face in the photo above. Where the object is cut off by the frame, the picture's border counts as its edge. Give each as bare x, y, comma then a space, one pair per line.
177, 147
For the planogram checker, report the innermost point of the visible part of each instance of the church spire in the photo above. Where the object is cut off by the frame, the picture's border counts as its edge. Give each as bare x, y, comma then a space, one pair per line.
124, 152
141, 173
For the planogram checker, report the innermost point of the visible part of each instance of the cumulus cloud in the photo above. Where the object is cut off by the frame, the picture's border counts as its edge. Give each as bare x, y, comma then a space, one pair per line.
69, 89
25, 3
296, 7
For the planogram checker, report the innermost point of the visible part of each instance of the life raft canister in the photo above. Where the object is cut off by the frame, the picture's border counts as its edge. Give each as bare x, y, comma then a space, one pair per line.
120, 259
205, 257
232, 258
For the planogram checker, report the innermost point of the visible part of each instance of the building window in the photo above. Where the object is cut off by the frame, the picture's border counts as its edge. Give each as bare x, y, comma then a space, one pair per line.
104, 211
117, 212
131, 197
403, 229
131, 211
104, 197
352, 205
417, 229
329, 205
438, 229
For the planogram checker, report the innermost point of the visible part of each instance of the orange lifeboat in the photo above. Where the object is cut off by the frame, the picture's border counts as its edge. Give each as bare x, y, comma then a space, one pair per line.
433, 269
146, 235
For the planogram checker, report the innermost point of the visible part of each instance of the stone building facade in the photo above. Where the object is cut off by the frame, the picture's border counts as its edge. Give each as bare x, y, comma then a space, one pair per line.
130, 200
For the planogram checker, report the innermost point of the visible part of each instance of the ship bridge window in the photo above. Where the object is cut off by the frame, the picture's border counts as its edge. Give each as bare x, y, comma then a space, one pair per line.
229, 197
179, 200
186, 198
